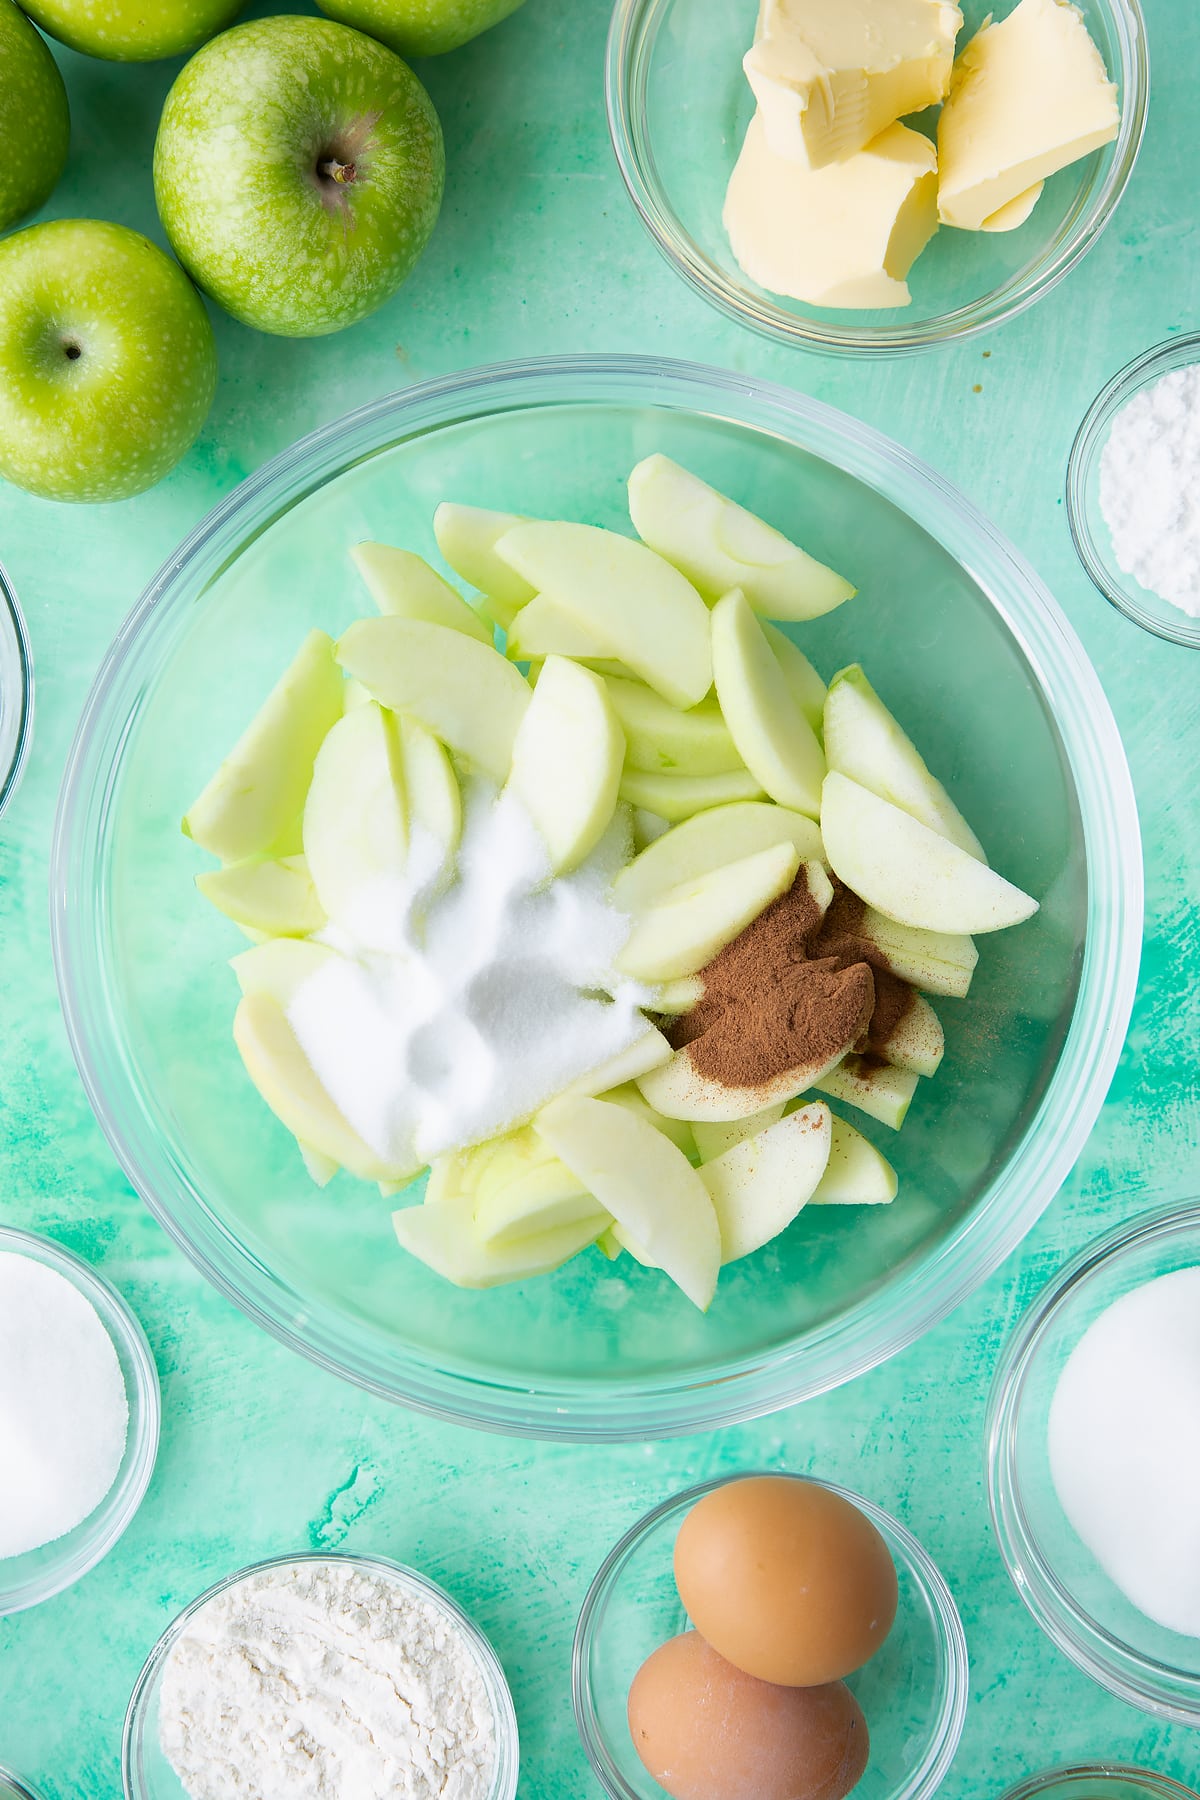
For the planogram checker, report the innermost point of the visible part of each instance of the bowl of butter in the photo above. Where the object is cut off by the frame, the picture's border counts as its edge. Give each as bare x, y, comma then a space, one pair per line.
876, 176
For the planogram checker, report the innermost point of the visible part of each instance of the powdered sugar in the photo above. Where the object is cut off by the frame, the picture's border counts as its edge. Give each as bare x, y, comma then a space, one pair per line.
321, 1680
498, 991
1150, 488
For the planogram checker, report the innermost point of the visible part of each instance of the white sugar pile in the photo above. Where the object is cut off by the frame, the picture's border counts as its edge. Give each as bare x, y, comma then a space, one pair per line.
1150, 488
1125, 1446
494, 995
64, 1414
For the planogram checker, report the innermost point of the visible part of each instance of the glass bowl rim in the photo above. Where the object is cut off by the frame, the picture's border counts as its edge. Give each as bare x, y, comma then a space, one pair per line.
1180, 351
504, 1787
627, 30
759, 1383
1109, 1661
92, 1539
12, 1787
925, 1780
1161, 1787
16, 684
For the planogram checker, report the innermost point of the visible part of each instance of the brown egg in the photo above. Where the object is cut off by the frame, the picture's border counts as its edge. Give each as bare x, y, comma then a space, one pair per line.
706, 1731
786, 1580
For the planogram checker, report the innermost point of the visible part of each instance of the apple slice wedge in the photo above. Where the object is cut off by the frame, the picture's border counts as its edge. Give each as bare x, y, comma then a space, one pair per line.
917, 1042
467, 537
647, 1052
321, 1169
877, 1089
641, 609
462, 691
403, 584
678, 1130
566, 762
275, 897
544, 628
443, 1237
356, 824
804, 684
713, 1139
524, 1191
257, 795
864, 741
645, 1183
679, 797
691, 923
773, 738
719, 545
908, 872
857, 1174
434, 797
937, 962
280, 967
711, 840
760, 1185
663, 740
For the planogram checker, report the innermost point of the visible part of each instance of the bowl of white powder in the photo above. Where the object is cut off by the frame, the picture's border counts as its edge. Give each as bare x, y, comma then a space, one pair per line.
1133, 491
321, 1677
79, 1419
1094, 1462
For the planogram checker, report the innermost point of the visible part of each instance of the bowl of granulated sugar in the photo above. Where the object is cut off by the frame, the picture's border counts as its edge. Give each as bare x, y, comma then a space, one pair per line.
1133, 491
79, 1418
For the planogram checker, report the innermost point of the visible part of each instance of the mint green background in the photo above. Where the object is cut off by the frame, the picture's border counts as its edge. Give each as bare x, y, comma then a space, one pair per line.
539, 251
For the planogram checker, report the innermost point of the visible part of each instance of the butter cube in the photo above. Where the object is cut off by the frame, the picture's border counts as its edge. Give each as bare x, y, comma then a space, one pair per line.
1029, 96
830, 75
845, 235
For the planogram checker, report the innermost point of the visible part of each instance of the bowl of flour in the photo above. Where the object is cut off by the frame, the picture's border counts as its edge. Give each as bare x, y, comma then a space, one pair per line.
320, 1677
1133, 491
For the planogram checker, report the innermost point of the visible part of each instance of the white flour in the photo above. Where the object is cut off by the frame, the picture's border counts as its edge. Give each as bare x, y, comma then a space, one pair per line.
321, 1681
1150, 488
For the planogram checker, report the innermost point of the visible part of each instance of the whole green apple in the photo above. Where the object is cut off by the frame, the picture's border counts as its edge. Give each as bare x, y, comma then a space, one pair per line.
421, 27
34, 122
107, 361
298, 172
132, 30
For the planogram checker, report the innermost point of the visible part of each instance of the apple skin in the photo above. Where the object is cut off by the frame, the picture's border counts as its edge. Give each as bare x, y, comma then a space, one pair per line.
107, 361
130, 30
35, 125
298, 171
421, 27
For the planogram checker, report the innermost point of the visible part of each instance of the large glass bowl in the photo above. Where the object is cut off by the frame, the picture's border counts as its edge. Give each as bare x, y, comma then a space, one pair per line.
16, 692
678, 108
963, 640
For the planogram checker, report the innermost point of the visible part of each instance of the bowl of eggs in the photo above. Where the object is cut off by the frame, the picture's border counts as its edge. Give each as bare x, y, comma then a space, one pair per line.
769, 1637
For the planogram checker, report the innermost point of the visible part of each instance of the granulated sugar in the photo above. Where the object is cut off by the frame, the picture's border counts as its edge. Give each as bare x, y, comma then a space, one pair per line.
64, 1414
1150, 488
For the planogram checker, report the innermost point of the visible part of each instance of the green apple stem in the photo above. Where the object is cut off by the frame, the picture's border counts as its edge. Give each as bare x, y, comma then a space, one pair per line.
330, 168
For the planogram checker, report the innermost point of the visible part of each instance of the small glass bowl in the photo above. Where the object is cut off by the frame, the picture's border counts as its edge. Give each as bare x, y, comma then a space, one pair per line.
13, 1789
146, 1773
1088, 528
678, 107
1099, 1781
913, 1692
16, 692
39, 1574
1078, 1607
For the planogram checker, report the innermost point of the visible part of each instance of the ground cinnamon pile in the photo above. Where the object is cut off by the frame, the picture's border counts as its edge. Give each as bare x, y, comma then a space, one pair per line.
792, 991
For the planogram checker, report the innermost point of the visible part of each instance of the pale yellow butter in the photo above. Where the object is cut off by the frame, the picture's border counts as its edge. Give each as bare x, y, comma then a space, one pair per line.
830, 75
1029, 95
842, 236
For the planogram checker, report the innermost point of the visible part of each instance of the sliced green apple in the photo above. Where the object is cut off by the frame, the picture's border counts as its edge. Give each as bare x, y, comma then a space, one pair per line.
280, 968
354, 694
444, 1238
544, 628
875, 1088
525, 1191
432, 790
356, 818
910, 873
645, 1183
403, 584
864, 741
773, 738
274, 897
670, 998
462, 691
678, 1130
691, 923
467, 537
641, 609
256, 796
287, 1082
678, 797
917, 1042
646, 1052
714, 1139
857, 1175
937, 962
804, 684
321, 1168
665, 741
760, 1185
711, 840
719, 545
567, 760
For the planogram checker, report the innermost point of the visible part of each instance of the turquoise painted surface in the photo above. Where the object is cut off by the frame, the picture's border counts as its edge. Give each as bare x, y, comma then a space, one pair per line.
538, 251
